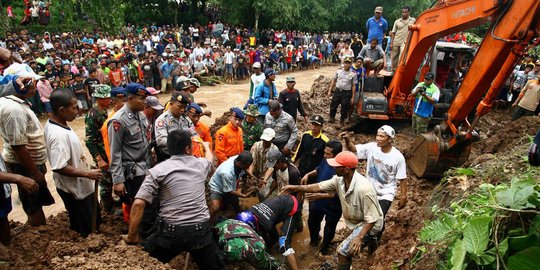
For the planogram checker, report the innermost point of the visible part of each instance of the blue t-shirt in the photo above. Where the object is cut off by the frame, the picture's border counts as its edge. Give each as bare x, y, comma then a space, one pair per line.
166, 70
325, 172
422, 107
376, 29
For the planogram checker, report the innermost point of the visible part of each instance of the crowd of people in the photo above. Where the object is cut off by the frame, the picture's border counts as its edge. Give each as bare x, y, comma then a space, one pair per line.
160, 167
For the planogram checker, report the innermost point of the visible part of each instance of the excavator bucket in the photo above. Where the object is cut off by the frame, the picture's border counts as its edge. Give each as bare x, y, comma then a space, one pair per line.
429, 159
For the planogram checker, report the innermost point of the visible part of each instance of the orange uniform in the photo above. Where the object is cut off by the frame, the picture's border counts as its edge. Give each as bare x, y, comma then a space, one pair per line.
204, 132
228, 142
105, 135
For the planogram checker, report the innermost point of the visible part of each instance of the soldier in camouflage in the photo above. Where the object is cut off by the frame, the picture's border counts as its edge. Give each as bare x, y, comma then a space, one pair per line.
240, 243
93, 121
252, 128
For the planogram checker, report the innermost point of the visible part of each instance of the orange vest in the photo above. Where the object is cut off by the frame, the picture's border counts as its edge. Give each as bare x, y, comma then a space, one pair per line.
228, 142
105, 135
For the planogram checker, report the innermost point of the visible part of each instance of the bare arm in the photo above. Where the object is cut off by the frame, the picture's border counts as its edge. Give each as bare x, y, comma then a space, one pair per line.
313, 188
136, 214
94, 174
332, 85
26, 160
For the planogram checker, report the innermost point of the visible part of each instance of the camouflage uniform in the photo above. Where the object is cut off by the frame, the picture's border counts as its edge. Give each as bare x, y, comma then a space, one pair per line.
240, 243
93, 121
252, 131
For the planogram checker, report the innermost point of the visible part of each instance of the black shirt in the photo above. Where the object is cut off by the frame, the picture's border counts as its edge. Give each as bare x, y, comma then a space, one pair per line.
90, 83
310, 152
292, 104
273, 211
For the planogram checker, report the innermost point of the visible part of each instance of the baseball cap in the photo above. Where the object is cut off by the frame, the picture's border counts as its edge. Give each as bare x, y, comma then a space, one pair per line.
102, 91
379, 9
194, 108
388, 130
347, 59
181, 85
317, 119
153, 102
272, 157
118, 92
195, 82
153, 90
136, 89
429, 76
344, 159
270, 72
291, 79
238, 113
181, 96
21, 70
256, 65
268, 134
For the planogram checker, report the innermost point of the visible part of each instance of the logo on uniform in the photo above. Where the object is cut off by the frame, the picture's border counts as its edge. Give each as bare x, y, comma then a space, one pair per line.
116, 126
160, 123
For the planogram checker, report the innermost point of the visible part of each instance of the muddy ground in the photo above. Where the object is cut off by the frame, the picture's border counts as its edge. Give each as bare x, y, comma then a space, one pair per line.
55, 247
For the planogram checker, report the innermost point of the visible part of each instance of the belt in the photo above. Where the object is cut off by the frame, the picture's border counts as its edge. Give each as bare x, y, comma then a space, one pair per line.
182, 229
340, 90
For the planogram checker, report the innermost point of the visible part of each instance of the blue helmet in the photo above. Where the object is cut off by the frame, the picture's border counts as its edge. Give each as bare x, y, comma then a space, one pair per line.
248, 218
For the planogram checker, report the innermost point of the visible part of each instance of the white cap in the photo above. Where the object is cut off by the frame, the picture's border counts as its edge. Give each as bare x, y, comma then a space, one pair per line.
268, 134
388, 130
22, 70
256, 65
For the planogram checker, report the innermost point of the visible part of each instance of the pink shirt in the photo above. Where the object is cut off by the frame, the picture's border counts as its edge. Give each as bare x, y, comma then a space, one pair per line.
44, 89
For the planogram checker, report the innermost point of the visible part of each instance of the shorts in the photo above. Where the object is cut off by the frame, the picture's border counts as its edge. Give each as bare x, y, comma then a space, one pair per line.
80, 212
47, 106
345, 246
5, 207
228, 68
82, 103
32, 203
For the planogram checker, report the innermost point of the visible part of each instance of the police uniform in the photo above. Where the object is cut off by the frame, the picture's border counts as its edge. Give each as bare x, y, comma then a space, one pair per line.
345, 79
129, 138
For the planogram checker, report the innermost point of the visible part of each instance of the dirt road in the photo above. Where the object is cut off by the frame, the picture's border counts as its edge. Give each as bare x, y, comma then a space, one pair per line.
218, 98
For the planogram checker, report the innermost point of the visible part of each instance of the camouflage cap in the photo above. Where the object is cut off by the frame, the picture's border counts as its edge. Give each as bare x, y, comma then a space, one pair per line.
252, 110
101, 91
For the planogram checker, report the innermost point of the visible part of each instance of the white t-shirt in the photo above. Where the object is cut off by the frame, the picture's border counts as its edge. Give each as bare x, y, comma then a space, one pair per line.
229, 57
64, 148
383, 169
256, 80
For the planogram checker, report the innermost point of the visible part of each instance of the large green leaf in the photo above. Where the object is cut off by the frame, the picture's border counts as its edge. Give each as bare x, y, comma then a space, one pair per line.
518, 195
476, 235
458, 255
528, 259
491, 255
438, 230
522, 242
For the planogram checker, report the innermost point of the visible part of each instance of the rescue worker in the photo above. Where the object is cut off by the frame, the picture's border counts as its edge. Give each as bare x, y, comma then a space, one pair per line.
358, 198
240, 243
229, 138
183, 223
260, 151
426, 95
224, 183
94, 120
323, 205
310, 151
284, 126
263, 218
342, 86
129, 138
118, 98
194, 112
251, 127
169, 121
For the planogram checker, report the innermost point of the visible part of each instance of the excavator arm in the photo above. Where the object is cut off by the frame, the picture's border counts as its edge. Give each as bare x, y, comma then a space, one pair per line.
514, 24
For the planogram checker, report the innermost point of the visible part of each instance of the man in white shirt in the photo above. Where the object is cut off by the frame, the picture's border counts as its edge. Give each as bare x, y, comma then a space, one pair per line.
75, 182
229, 60
385, 166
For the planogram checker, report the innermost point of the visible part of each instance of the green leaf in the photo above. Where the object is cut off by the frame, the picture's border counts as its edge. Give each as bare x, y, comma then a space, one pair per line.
535, 226
491, 255
465, 171
438, 230
534, 200
528, 259
458, 255
476, 235
518, 195
522, 242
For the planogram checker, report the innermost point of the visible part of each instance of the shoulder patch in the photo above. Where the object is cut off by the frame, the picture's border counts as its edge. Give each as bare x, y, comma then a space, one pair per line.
160, 123
116, 126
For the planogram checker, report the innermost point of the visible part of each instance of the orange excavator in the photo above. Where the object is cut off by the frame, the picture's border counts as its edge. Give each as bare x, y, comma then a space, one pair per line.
515, 28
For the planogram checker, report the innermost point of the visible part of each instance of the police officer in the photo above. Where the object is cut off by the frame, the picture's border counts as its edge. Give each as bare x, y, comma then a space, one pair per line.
183, 223
170, 120
129, 138
284, 126
342, 85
